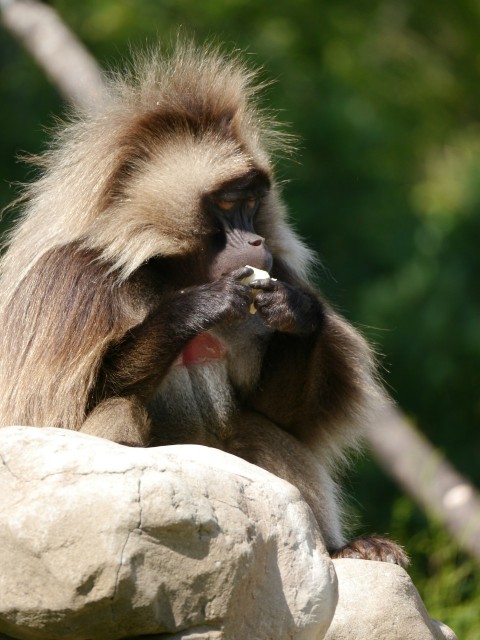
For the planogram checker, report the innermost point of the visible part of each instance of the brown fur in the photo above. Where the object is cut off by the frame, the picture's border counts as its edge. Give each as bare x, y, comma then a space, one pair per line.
104, 282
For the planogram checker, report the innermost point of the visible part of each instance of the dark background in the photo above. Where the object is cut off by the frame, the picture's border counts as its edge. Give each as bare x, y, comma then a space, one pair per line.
385, 98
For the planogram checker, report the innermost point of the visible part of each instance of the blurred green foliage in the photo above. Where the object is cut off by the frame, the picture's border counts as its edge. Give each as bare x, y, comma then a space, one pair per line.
385, 96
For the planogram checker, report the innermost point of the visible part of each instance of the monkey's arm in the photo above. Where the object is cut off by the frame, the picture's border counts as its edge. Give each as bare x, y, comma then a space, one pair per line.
140, 360
317, 385
318, 371
135, 365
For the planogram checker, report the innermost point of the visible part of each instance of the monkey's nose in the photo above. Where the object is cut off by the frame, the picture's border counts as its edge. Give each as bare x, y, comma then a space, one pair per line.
256, 253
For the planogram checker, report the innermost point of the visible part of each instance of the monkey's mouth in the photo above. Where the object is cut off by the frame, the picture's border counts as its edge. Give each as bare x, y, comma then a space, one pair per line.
203, 348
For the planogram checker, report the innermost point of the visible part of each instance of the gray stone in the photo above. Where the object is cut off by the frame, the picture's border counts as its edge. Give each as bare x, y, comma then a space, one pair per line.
99, 541
378, 601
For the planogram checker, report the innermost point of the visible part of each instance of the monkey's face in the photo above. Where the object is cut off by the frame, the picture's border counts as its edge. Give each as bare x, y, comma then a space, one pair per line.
234, 209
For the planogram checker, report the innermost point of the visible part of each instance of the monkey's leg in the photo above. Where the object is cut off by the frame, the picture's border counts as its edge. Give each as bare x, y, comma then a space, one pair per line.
262, 443
123, 420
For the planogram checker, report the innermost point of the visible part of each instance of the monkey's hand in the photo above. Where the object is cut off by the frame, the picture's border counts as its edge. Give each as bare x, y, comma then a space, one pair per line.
223, 301
285, 308
373, 548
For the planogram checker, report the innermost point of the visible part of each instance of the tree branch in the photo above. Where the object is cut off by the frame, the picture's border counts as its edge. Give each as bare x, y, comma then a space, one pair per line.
56, 49
422, 471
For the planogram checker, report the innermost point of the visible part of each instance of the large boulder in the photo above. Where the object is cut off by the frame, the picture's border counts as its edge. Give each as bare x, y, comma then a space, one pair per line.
101, 542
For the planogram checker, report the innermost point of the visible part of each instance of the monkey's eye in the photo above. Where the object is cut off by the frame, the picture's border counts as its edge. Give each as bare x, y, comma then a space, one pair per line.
252, 203
226, 205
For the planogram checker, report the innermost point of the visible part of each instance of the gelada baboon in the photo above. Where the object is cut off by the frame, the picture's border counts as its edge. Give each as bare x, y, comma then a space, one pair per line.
124, 307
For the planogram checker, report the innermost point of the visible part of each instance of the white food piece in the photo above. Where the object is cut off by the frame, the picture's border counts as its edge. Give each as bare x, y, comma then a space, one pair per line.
258, 274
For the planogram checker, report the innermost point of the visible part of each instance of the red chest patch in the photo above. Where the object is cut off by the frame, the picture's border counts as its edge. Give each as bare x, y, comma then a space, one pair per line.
203, 348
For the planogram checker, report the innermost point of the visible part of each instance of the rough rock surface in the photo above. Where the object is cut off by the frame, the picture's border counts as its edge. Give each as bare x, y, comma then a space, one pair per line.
100, 541
378, 601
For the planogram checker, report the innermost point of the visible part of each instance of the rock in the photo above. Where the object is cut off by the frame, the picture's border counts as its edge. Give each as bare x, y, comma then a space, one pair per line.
99, 541
378, 601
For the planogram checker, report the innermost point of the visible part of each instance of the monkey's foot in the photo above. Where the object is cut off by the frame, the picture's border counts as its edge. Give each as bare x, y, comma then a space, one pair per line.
373, 548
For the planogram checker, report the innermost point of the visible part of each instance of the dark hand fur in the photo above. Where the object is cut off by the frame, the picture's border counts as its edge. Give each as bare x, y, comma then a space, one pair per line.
106, 280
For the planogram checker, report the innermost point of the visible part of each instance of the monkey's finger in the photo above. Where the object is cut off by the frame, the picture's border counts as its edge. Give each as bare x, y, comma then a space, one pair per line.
267, 284
243, 272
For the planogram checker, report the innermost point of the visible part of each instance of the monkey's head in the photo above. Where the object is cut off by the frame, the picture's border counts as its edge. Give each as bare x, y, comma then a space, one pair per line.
175, 163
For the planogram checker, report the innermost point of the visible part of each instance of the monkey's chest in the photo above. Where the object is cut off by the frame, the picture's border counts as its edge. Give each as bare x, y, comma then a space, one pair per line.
193, 402
196, 401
